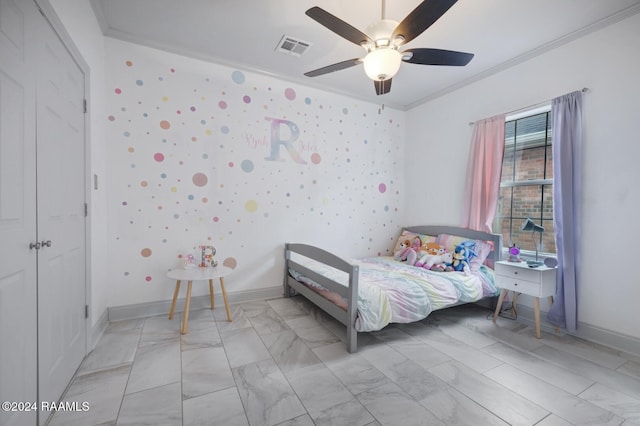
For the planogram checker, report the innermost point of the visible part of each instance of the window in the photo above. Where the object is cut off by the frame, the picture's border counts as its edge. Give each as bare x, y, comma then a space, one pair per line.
526, 185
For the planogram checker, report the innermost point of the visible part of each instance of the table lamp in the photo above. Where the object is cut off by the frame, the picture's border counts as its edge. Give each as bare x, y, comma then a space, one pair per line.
530, 225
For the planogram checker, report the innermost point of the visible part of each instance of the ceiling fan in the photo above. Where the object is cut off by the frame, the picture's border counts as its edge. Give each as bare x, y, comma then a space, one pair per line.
383, 57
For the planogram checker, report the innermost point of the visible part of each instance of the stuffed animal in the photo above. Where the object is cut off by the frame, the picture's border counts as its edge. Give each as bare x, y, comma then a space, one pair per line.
461, 257
431, 247
408, 251
428, 260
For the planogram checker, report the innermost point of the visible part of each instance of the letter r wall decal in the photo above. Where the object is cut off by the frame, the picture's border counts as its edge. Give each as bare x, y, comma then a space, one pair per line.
276, 142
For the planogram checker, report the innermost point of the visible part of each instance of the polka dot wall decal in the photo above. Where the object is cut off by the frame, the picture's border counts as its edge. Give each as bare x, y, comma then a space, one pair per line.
205, 200
192, 108
345, 111
145, 252
246, 99
129, 63
147, 278
172, 70
118, 91
247, 166
216, 219
165, 99
290, 94
139, 82
144, 184
164, 124
251, 206
237, 77
230, 262
111, 118
159, 157
126, 134
131, 149
200, 179
222, 105
224, 129
382, 188
307, 101
315, 158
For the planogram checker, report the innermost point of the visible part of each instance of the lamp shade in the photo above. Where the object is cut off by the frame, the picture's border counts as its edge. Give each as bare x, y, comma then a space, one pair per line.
382, 64
530, 225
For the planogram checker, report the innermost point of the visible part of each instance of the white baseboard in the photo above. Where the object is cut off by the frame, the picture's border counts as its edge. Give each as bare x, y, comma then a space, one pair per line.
98, 329
162, 307
589, 332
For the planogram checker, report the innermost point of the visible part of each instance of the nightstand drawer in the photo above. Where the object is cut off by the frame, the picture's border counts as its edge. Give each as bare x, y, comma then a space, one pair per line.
517, 272
517, 285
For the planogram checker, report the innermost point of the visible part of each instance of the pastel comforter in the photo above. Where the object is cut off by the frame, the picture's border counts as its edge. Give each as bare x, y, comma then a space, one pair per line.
392, 291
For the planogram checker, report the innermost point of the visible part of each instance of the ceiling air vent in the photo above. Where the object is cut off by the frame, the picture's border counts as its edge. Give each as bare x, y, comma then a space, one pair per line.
292, 46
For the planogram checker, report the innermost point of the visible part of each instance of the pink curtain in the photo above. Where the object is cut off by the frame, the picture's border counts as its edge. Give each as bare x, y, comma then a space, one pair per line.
482, 186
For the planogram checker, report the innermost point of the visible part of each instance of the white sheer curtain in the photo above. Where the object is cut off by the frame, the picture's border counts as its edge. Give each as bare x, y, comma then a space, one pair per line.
567, 184
484, 166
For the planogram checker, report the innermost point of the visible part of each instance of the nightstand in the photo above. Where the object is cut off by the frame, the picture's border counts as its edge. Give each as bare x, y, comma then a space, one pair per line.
520, 278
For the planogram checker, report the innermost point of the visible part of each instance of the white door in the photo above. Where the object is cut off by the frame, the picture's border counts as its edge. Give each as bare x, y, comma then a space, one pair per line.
60, 154
42, 163
18, 318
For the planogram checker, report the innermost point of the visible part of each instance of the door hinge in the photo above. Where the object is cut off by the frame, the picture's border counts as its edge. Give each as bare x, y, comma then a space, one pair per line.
86, 210
86, 311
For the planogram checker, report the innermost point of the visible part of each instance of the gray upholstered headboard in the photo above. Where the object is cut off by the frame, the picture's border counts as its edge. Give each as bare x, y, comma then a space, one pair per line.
495, 239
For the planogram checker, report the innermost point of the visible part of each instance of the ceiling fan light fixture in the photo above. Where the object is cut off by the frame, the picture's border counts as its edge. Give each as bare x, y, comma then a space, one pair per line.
382, 64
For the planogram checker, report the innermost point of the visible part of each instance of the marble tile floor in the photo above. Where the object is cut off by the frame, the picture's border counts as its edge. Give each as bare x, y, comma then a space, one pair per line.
282, 362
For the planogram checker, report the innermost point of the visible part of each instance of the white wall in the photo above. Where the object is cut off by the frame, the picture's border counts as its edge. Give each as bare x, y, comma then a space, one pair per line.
187, 158
81, 24
607, 62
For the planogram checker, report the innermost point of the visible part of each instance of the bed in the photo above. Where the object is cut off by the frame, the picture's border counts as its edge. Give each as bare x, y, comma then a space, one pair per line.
367, 294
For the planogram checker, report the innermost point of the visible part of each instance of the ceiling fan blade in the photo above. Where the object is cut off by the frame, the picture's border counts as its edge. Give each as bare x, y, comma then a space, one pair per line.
338, 26
382, 87
334, 67
424, 56
421, 18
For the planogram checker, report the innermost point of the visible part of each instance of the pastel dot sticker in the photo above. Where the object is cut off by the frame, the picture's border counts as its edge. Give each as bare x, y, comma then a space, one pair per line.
222, 105
251, 206
164, 124
315, 158
145, 252
159, 157
118, 91
382, 188
200, 179
147, 278
237, 77
230, 262
246, 99
247, 166
129, 63
290, 94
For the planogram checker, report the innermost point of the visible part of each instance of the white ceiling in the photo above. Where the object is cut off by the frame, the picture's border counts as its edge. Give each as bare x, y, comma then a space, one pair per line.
244, 34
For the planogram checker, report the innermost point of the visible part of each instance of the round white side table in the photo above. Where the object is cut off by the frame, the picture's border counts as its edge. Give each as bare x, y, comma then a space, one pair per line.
198, 274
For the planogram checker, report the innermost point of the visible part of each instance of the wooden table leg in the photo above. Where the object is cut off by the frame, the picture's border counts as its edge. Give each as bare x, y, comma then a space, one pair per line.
175, 297
499, 305
211, 294
551, 303
514, 305
536, 312
187, 302
226, 301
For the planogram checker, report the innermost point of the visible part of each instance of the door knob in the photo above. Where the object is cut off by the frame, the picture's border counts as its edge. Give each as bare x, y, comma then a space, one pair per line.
46, 243
34, 246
